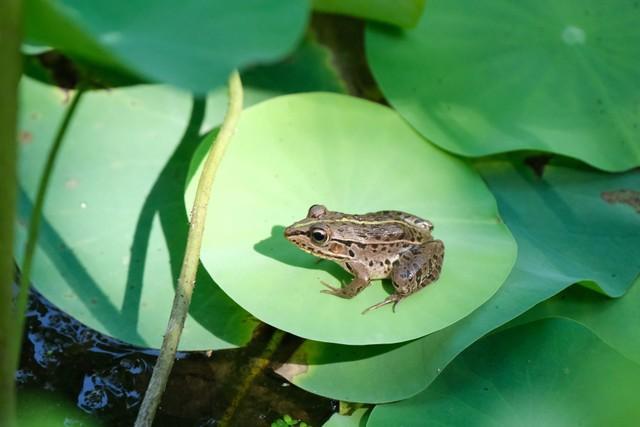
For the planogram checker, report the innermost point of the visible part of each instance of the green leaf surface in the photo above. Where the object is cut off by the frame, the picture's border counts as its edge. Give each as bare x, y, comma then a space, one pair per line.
404, 13
478, 78
307, 69
357, 419
612, 320
548, 373
113, 233
566, 233
195, 45
354, 156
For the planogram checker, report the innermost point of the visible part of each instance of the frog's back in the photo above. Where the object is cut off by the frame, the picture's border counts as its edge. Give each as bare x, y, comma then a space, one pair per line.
383, 227
387, 216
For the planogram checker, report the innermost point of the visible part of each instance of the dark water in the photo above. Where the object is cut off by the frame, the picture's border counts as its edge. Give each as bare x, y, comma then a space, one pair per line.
106, 378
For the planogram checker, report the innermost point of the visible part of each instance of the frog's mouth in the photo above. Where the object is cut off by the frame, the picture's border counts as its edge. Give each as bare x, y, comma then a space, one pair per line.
299, 238
291, 232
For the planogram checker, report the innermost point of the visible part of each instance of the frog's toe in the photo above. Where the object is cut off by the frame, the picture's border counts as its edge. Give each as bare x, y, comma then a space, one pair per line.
335, 293
395, 299
330, 288
338, 292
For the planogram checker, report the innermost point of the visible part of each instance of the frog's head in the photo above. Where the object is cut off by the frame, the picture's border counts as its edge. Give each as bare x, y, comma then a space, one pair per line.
313, 234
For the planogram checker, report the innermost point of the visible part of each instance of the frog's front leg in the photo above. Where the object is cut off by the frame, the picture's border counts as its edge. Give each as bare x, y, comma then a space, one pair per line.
359, 282
414, 270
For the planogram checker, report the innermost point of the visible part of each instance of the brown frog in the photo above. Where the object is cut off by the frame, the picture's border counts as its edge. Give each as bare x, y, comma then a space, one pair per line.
378, 245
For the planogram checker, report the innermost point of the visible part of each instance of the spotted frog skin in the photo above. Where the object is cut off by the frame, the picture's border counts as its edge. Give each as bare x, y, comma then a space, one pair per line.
378, 245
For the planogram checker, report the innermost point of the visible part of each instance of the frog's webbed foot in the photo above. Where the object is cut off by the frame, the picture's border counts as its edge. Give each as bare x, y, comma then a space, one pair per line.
350, 290
395, 299
339, 292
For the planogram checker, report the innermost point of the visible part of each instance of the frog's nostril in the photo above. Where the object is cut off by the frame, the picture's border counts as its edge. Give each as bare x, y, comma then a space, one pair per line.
291, 231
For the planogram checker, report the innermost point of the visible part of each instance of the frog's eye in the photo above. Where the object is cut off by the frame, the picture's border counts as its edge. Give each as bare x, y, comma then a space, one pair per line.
318, 235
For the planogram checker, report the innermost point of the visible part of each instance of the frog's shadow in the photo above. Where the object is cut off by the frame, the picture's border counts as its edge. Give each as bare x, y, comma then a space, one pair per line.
278, 248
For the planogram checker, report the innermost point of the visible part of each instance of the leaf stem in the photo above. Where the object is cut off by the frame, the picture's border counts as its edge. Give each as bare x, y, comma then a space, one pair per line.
34, 227
186, 281
10, 35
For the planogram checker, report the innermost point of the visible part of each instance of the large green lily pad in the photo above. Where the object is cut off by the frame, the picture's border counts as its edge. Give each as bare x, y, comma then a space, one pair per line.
566, 233
195, 45
354, 156
548, 373
486, 77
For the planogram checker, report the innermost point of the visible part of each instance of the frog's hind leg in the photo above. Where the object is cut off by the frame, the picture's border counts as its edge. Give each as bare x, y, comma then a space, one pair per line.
414, 270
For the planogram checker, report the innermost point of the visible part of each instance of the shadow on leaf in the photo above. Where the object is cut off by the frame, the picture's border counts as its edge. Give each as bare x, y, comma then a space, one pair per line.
278, 248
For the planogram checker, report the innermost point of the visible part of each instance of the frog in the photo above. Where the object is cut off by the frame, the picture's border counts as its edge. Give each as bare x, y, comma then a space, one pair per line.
386, 244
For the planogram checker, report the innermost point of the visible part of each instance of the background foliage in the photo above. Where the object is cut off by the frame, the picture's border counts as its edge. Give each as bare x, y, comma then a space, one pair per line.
552, 85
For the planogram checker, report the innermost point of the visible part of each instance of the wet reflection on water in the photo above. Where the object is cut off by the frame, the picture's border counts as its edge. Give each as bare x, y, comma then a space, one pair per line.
107, 378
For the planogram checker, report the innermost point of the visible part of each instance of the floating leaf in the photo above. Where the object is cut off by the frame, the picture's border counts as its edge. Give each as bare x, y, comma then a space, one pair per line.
610, 319
478, 78
354, 156
404, 13
566, 232
552, 373
195, 46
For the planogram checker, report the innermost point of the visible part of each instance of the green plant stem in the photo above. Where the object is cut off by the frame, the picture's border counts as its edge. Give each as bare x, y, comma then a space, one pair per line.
257, 365
186, 281
10, 35
34, 227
